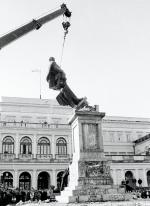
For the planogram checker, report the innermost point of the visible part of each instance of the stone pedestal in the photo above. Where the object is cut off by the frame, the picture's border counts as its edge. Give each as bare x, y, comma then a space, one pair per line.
90, 178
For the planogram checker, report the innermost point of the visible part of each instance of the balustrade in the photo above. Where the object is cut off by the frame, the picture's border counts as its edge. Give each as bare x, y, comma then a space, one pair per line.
33, 125
25, 156
62, 156
44, 156
6, 156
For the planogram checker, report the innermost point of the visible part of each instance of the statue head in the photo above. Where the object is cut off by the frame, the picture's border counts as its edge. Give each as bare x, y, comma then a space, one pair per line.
51, 59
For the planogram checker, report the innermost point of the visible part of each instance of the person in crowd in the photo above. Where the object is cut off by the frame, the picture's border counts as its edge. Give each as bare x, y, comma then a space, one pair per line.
28, 197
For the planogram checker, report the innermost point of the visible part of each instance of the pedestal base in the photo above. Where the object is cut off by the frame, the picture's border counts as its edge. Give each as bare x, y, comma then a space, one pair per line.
91, 195
90, 181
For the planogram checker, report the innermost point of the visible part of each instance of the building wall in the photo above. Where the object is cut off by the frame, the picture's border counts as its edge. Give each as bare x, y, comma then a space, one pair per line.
139, 171
36, 118
120, 132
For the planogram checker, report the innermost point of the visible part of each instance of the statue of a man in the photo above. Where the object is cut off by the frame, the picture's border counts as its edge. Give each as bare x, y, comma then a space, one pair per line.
57, 80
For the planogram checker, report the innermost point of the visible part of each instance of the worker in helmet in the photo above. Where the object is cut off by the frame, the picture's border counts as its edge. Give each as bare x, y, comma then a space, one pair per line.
57, 80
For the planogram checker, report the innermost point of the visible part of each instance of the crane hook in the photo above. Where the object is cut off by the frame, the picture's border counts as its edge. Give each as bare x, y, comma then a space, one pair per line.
65, 25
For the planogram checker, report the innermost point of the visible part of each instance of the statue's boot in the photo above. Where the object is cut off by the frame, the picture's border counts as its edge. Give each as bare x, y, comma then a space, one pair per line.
82, 103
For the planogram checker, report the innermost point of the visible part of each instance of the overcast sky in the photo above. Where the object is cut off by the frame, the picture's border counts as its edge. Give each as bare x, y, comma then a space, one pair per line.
106, 55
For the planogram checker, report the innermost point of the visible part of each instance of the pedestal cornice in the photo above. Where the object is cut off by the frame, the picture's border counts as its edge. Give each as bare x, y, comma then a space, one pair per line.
86, 114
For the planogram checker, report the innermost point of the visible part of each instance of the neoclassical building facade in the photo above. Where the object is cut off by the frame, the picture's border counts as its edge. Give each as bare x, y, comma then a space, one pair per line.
36, 146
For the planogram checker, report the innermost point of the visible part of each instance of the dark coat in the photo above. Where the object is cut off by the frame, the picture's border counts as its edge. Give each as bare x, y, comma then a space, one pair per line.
55, 74
67, 97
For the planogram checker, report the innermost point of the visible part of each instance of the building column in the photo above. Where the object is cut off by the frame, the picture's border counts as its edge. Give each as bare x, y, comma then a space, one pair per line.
120, 176
69, 147
113, 174
144, 178
54, 178
17, 143
34, 150
34, 179
15, 180
53, 147
136, 175
1, 139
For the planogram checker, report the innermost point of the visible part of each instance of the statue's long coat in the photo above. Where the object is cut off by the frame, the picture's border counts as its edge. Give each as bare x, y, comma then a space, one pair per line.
53, 73
57, 80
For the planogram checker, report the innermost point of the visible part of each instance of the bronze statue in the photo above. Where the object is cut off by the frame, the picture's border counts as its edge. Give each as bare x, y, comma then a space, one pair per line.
57, 80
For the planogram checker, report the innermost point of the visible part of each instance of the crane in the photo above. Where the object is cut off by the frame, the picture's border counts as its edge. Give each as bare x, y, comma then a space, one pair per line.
35, 24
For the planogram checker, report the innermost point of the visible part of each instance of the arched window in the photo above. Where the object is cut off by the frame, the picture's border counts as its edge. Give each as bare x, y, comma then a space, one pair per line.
61, 146
62, 179
43, 181
7, 179
129, 175
25, 181
130, 183
43, 147
25, 146
8, 145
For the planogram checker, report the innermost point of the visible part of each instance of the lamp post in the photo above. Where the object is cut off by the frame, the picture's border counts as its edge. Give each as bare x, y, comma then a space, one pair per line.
39, 71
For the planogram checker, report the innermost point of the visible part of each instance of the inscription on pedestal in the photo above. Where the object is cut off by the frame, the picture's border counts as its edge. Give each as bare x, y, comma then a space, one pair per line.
90, 136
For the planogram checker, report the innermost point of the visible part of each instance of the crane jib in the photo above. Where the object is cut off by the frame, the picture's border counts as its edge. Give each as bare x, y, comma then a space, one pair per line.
34, 24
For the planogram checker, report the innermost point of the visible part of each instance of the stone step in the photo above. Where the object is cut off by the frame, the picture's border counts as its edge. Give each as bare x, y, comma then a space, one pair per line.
61, 199
89, 198
64, 194
89, 193
70, 196
113, 197
81, 198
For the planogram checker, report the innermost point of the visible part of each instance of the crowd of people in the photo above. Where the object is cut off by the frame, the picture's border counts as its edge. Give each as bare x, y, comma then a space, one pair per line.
14, 196
143, 193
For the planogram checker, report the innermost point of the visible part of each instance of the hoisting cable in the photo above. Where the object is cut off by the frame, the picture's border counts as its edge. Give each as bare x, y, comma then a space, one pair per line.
65, 25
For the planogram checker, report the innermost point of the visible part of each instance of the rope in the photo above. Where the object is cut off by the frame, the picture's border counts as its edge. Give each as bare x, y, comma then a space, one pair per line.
66, 24
63, 45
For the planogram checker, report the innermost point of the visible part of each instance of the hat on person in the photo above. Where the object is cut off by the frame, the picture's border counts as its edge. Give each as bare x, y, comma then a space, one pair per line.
51, 59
